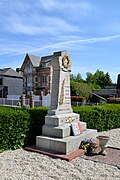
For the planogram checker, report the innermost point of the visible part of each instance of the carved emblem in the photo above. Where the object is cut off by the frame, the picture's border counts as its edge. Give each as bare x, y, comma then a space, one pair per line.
66, 62
70, 119
61, 100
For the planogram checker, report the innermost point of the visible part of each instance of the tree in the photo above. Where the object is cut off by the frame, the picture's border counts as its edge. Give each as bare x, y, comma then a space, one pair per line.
81, 89
102, 79
72, 77
77, 78
108, 80
90, 78
99, 78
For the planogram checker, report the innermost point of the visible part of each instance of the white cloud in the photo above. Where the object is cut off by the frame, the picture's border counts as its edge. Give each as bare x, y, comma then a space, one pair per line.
60, 45
32, 19
67, 5
49, 4
14, 5
37, 25
15, 48
8, 47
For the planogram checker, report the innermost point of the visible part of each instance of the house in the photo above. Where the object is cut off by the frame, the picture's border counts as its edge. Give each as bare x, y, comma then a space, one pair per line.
106, 92
37, 75
11, 82
111, 93
97, 99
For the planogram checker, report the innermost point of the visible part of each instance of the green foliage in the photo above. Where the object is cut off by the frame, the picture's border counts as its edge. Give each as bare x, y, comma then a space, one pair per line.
84, 88
94, 86
102, 118
99, 78
19, 127
37, 120
90, 79
14, 125
76, 78
81, 89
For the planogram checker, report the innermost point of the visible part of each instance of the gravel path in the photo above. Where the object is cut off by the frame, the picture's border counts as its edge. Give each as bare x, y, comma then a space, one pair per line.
24, 165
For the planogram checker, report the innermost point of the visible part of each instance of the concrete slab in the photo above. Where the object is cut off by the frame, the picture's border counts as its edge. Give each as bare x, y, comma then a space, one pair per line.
67, 157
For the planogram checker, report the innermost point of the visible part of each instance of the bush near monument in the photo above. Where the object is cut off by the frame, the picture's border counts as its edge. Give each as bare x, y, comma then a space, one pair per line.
102, 118
37, 120
14, 125
19, 127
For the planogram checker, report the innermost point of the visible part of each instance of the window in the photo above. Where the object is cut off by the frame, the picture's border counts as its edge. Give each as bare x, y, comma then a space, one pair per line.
44, 80
29, 81
36, 79
0, 81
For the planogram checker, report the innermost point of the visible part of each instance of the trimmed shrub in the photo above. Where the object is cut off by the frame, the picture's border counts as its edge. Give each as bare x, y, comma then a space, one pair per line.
37, 120
102, 118
14, 125
19, 127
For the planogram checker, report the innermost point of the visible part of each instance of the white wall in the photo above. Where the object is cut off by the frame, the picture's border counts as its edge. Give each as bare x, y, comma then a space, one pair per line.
46, 100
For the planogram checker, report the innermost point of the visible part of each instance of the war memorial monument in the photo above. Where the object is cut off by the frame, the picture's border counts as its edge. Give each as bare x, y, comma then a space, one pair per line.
63, 131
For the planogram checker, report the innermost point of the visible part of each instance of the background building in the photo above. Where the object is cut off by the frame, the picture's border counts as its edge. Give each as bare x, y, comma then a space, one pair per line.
37, 75
11, 82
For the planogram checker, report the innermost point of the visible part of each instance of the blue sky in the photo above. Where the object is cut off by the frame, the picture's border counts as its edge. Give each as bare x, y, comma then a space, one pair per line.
88, 29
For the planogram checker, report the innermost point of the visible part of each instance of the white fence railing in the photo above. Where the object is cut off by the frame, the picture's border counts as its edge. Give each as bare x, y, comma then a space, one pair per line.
13, 102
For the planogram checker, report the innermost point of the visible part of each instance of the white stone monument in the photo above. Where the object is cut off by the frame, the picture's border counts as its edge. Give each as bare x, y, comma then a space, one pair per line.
57, 134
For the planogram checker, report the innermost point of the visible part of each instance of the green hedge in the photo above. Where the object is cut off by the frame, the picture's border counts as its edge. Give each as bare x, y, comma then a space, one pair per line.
14, 125
19, 127
102, 118
37, 120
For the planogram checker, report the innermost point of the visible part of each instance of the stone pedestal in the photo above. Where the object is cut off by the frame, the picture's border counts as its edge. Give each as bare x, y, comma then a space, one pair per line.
56, 133
57, 125
63, 145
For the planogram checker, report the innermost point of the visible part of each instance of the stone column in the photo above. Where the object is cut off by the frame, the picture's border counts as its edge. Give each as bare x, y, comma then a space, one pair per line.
23, 100
31, 100
60, 96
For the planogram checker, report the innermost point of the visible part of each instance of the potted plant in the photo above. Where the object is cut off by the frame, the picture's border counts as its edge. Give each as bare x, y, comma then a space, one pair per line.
88, 145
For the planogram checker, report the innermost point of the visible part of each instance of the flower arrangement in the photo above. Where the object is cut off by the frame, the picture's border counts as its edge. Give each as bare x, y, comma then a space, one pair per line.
88, 145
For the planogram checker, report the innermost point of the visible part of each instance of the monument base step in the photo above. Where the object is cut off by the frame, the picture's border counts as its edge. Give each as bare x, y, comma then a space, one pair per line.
60, 131
65, 145
59, 120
